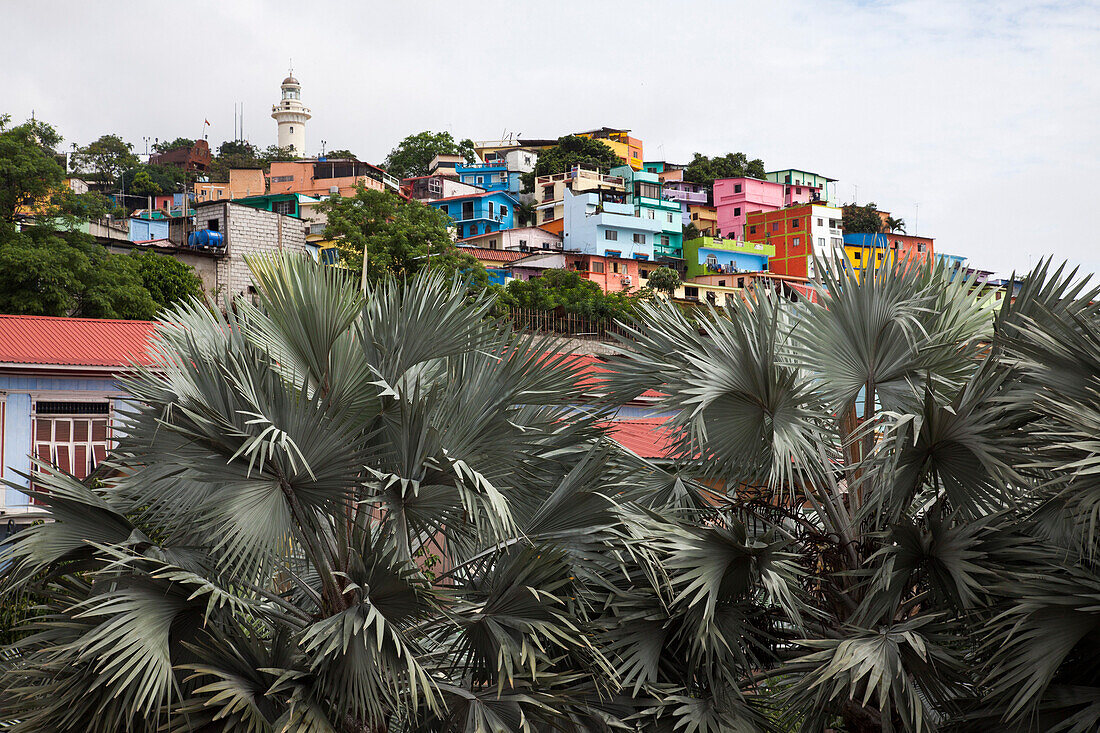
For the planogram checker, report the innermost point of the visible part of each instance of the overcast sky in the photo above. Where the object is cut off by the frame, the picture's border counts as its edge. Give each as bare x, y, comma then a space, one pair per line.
982, 120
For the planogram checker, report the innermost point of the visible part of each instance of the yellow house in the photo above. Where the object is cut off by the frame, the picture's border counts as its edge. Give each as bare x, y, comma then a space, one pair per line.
626, 147
705, 219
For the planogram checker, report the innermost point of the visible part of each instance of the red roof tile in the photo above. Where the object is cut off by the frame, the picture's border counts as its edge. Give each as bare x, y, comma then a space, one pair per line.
493, 255
73, 341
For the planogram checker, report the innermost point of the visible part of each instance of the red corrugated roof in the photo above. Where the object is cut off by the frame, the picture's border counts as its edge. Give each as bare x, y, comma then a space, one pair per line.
73, 341
646, 436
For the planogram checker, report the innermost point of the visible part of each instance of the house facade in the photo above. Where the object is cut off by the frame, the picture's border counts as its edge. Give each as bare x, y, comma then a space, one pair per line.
709, 255
520, 239
550, 193
798, 233
629, 149
871, 250
60, 397
687, 194
608, 228
803, 186
479, 213
646, 193
736, 198
325, 176
486, 176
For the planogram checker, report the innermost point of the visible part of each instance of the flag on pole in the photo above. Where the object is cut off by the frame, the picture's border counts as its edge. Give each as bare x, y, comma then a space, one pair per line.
206, 121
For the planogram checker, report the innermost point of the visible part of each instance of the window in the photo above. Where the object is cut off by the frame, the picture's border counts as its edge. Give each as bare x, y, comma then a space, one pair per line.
795, 223
492, 244
837, 241
752, 229
664, 240
721, 283
834, 224
691, 292
467, 209
503, 211
491, 210
292, 128
820, 221
737, 211
444, 209
72, 435
669, 218
548, 215
644, 274
213, 225
282, 179
798, 189
597, 267
857, 256
694, 217
921, 247
546, 245
611, 235
712, 260
639, 239
503, 177
651, 213
480, 180
737, 188
796, 241
527, 160
775, 226
283, 207
612, 253
821, 241
522, 243
740, 282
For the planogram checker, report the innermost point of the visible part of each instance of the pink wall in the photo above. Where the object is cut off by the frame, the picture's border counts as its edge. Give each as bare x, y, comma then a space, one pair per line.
734, 206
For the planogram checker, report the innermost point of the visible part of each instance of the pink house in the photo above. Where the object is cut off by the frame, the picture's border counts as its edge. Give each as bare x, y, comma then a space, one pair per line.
736, 198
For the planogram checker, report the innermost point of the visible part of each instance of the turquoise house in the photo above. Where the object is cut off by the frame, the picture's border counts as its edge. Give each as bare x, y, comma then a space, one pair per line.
645, 192
711, 255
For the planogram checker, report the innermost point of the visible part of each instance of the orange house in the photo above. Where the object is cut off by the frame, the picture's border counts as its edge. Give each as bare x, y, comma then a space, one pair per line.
315, 177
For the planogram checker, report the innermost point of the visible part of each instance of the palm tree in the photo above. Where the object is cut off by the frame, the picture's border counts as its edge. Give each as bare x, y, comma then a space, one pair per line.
928, 465
391, 513
895, 225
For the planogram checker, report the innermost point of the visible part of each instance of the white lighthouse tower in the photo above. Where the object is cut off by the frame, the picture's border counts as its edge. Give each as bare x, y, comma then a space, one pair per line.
292, 115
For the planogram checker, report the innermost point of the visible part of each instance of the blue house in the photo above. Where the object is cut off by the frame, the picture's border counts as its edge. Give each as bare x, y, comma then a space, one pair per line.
597, 227
490, 176
144, 230
60, 398
479, 213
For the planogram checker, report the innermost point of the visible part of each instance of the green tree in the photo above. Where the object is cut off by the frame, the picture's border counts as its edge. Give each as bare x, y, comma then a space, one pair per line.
164, 146
401, 237
862, 219
573, 150
664, 280
569, 291
104, 160
48, 272
413, 155
168, 280
342, 154
29, 172
143, 185
704, 170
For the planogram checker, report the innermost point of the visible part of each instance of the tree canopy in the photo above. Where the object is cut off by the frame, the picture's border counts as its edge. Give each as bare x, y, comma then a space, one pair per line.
243, 154
104, 160
29, 172
413, 155
163, 146
342, 154
574, 150
862, 219
384, 513
401, 237
664, 280
569, 291
704, 170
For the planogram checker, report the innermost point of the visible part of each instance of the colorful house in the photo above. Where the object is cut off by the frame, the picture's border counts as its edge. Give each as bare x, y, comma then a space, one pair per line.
479, 213
516, 160
804, 186
487, 176
687, 194
705, 219
519, 239
612, 274
497, 262
736, 198
60, 397
798, 233
871, 250
629, 149
708, 255
596, 226
430, 188
550, 193
646, 193
324, 176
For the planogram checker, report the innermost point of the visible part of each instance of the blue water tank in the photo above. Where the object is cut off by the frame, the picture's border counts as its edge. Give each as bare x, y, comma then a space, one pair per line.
206, 239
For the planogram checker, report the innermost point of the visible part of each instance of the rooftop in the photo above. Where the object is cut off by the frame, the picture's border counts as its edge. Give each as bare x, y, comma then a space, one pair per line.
648, 437
93, 342
493, 255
